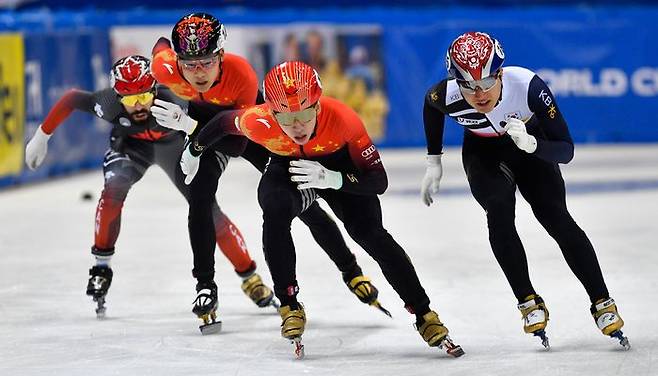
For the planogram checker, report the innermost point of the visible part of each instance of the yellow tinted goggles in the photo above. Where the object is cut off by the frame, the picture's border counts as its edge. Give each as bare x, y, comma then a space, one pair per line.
289, 118
143, 99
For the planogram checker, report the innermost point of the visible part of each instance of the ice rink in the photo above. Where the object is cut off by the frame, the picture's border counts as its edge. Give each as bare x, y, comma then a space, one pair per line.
48, 325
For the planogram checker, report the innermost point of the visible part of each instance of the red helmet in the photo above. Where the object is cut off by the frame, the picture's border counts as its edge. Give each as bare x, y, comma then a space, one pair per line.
474, 56
291, 86
132, 75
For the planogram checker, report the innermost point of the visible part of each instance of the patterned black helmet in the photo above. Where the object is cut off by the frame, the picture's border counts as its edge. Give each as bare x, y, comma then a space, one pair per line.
198, 35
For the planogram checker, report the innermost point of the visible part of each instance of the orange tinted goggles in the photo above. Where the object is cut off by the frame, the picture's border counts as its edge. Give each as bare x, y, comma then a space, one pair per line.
289, 118
143, 99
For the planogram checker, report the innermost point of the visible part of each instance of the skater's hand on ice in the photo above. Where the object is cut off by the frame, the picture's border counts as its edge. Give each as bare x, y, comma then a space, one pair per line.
36, 149
431, 180
189, 164
311, 174
172, 116
519, 134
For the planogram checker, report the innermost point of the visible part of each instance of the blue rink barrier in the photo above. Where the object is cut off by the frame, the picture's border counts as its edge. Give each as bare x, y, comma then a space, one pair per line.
600, 62
54, 63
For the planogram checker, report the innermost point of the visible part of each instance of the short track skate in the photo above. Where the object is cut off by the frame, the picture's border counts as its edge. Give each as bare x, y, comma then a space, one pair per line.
205, 307
100, 279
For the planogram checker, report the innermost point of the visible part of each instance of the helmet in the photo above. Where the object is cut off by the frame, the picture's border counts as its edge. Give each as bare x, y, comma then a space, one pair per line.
291, 86
132, 75
474, 56
198, 35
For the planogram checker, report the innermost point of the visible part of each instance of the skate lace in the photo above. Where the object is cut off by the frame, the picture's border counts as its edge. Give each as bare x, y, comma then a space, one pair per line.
363, 289
98, 282
203, 298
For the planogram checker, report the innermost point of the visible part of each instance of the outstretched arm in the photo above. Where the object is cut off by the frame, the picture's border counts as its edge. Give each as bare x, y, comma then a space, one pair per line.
72, 100
221, 125
37, 148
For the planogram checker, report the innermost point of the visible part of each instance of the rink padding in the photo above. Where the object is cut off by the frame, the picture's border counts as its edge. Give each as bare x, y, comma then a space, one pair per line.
599, 61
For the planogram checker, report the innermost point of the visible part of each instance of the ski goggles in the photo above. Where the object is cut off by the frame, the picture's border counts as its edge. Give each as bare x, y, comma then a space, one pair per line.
485, 84
143, 99
205, 64
289, 118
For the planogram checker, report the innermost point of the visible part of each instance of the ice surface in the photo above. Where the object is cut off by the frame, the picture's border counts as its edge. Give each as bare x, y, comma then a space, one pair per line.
48, 325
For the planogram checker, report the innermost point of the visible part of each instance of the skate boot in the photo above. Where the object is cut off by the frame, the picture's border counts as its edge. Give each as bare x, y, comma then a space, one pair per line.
366, 292
535, 317
205, 307
293, 320
608, 320
100, 279
258, 292
436, 334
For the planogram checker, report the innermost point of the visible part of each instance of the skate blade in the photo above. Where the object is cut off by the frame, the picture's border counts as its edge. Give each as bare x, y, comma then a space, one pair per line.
544, 339
299, 347
275, 303
211, 328
100, 307
378, 305
270, 303
210, 324
451, 348
623, 341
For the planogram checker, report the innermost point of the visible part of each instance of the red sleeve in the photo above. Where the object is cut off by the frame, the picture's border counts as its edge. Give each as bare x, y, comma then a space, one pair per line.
73, 100
161, 45
248, 88
162, 65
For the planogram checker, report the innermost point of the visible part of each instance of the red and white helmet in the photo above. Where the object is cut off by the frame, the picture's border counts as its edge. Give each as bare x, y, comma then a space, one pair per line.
132, 75
292, 86
474, 56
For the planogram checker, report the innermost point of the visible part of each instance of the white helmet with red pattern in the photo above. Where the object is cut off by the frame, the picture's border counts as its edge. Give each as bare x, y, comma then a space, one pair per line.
474, 56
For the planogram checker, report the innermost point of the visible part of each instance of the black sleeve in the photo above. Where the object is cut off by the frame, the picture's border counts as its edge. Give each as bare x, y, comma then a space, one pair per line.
259, 98
84, 100
369, 177
434, 118
372, 181
204, 113
256, 154
164, 93
554, 143
215, 130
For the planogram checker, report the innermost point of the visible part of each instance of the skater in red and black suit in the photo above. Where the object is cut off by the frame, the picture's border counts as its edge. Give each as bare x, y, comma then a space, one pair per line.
197, 69
320, 148
136, 143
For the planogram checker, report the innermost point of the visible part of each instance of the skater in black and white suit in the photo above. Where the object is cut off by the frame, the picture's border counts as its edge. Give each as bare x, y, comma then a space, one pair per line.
515, 136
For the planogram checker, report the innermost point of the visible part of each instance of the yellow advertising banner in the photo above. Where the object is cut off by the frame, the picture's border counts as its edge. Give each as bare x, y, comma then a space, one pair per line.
12, 103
